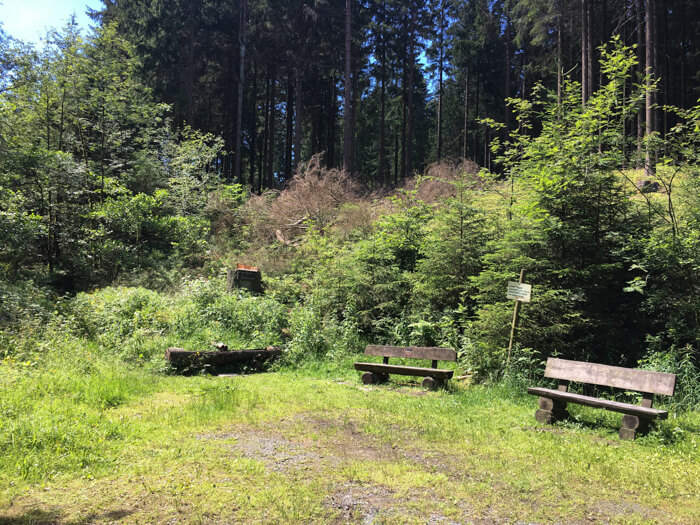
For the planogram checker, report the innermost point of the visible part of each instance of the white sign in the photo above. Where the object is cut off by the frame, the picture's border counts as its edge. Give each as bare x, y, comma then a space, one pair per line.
519, 291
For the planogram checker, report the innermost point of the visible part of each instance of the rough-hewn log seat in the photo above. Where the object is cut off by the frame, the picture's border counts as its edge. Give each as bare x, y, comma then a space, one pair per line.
552, 402
375, 372
182, 359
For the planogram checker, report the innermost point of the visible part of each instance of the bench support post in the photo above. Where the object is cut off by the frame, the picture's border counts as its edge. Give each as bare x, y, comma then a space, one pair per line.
429, 383
631, 425
550, 410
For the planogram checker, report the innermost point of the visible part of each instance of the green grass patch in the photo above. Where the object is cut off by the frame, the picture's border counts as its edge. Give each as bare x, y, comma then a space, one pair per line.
90, 438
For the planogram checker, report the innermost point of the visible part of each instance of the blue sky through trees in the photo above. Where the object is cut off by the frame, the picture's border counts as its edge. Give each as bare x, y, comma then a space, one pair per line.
29, 20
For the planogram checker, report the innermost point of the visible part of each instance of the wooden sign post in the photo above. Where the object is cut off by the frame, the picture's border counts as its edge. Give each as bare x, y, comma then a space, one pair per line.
521, 292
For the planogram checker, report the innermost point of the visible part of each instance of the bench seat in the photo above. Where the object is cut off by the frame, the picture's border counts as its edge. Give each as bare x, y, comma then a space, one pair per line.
379, 368
614, 406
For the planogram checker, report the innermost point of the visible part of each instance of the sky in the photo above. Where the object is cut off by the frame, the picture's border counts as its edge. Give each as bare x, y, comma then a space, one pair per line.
28, 20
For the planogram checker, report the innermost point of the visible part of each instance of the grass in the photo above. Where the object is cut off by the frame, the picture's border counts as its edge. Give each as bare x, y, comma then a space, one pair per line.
97, 440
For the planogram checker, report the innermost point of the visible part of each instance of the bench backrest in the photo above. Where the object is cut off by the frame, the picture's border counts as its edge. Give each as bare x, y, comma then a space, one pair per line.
416, 352
613, 376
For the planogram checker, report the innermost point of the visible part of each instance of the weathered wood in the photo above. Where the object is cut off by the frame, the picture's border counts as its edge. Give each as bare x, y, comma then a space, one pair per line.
244, 276
380, 368
368, 378
413, 352
629, 421
613, 376
181, 358
595, 402
631, 425
428, 383
545, 403
627, 434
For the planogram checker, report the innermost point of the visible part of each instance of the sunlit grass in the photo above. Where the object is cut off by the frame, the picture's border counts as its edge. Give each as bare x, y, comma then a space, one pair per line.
86, 437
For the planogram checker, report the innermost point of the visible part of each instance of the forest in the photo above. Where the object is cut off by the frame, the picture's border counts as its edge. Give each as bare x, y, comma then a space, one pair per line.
478, 139
389, 166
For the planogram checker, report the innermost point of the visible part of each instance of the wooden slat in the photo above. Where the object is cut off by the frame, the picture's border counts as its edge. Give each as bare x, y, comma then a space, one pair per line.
614, 376
615, 406
380, 368
414, 352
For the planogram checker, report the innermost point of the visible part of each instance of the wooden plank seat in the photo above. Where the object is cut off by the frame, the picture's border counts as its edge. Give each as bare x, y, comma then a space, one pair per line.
552, 402
376, 372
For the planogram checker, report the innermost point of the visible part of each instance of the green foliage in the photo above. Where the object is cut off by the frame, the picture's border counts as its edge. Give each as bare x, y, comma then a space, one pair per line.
685, 367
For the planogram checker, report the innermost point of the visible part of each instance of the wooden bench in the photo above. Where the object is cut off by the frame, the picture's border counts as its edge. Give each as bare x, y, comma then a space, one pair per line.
552, 402
375, 372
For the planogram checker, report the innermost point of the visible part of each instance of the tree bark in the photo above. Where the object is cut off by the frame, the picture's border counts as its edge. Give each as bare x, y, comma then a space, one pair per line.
560, 71
270, 182
507, 79
242, 23
381, 168
253, 125
584, 52
642, 67
289, 129
466, 113
650, 74
347, 130
330, 155
299, 116
409, 109
440, 72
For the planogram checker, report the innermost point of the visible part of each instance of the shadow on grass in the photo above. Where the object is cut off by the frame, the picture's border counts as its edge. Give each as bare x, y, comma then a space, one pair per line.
51, 517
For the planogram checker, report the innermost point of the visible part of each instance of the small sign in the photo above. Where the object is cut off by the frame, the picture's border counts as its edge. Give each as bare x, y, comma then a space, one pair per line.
519, 291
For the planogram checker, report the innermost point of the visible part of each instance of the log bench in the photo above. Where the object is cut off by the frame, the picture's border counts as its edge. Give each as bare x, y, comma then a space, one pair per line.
376, 372
552, 402
183, 360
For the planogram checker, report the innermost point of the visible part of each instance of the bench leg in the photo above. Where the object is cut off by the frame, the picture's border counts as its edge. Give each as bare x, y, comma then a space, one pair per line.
370, 377
429, 383
631, 425
550, 410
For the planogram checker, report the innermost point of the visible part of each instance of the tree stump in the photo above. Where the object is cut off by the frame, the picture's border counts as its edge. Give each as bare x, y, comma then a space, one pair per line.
244, 276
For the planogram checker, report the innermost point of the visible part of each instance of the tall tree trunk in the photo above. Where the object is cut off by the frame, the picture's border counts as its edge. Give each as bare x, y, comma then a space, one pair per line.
262, 168
404, 99
347, 130
381, 168
650, 74
396, 158
270, 182
253, 124
299, 115
410, 109
466, 112
289, 131
584, 51
440, 72
189, 69
642, 68
242, 23
507, 79
476, 148
560, 67
330, 156
589, 48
